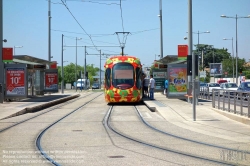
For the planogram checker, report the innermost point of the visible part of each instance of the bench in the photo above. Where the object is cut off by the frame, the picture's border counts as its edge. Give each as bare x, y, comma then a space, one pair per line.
189, 97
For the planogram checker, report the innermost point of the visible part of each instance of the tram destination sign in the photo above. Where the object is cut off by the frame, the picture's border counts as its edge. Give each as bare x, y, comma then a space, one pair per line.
16, 80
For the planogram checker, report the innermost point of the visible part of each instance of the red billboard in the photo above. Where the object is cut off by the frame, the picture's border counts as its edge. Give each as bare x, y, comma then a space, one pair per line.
182, 52
15, 84
53, 65
51, 81
7, 54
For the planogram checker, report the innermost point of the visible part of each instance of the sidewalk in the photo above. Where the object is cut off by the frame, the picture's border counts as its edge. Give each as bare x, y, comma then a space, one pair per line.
209, 121
35, 103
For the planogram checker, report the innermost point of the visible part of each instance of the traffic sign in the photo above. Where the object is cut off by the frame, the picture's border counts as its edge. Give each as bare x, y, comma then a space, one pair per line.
203, 74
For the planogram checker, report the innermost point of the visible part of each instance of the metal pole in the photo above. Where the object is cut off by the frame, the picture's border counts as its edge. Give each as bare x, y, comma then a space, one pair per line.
1, 55
161, 29
14, 50
233, 56
85, 69
49, 37
76, 66
236, 70
190, 52
122, 51
213, 62
100, 81
199, 39
62, 83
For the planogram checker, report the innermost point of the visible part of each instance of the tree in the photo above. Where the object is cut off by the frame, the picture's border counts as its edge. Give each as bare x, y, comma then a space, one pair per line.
210, 55
69, 73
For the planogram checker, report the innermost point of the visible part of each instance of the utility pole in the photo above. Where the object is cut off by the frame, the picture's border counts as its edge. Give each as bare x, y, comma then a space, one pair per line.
62, 83
100, 81
49, 31
76, 66
161, 35
190, 52
85, 88
1, 55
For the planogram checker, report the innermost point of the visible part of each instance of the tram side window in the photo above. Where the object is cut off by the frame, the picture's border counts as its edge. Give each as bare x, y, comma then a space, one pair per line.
138, 78
107, 77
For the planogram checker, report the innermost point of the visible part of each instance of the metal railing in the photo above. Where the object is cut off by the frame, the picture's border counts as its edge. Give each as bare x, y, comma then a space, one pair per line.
237, 102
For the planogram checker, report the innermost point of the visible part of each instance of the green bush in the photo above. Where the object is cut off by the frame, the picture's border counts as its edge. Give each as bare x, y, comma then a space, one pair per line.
247, 76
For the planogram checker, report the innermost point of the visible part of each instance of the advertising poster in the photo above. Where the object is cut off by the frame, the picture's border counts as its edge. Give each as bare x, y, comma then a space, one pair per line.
16, 80
160, 77
215, 69
51, 80
177, 80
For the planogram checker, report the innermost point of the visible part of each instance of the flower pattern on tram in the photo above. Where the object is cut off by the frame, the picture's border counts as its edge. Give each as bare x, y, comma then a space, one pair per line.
114, 94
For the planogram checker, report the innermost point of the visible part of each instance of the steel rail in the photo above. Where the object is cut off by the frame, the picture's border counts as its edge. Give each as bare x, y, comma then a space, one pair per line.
39, 137
186, 139
106, 122
6, 128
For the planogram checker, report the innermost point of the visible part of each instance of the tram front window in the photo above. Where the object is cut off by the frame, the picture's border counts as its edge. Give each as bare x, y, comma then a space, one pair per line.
123, 75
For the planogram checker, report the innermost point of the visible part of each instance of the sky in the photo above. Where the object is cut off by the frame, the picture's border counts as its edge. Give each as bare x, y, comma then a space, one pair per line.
25, 23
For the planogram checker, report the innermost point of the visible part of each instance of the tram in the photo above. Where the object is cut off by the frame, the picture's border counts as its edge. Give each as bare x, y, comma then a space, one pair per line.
123, 79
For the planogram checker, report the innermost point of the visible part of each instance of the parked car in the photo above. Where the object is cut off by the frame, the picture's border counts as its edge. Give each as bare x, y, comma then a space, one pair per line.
228, 86
95, 86
244, 87
203, 88
212, 86
221, 81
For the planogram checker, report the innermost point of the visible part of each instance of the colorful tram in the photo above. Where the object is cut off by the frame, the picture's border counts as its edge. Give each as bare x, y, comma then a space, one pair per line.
123, 79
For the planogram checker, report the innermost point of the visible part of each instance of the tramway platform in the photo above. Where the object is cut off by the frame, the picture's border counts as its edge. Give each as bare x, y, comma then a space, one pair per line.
181, 109
35, 103
208, 120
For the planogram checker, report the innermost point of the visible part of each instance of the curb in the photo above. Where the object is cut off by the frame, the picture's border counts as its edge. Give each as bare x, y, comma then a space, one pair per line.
41, 106
152, 109
232, 116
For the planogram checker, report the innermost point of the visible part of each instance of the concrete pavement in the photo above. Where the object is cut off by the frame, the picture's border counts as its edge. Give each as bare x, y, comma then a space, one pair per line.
208, 121
35, 103
171, 109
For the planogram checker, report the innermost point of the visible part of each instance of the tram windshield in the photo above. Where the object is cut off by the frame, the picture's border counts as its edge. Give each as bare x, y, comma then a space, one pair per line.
123, 75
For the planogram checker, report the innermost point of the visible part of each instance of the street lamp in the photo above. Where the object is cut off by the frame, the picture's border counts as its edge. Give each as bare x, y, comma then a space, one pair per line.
157, 55
17, 47
236, 18
76, 61
232, 53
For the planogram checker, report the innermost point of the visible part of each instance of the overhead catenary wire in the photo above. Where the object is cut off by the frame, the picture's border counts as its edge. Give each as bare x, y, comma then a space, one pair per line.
79, 23
121, 15
104, 35
96, 2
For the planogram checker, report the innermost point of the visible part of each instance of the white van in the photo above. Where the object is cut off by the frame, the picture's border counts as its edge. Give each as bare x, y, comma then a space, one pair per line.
81, 83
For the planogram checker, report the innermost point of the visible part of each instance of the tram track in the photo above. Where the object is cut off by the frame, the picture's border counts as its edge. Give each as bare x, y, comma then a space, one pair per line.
50, 109
39, 137
186, 139
107, 125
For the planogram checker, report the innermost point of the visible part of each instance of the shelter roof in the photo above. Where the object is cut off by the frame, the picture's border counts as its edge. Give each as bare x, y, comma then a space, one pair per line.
29, 58
24, 62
